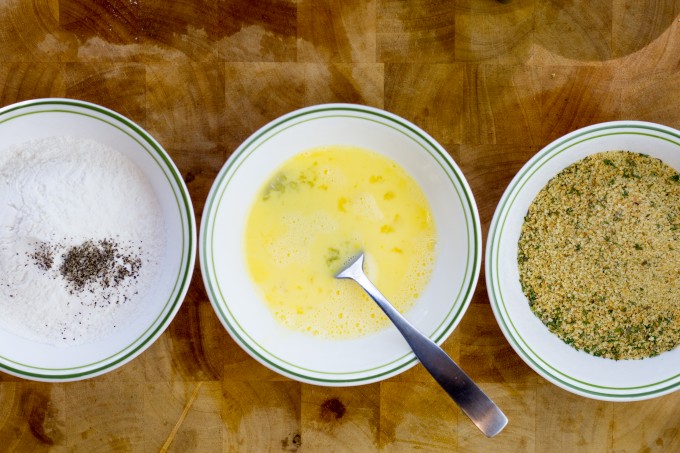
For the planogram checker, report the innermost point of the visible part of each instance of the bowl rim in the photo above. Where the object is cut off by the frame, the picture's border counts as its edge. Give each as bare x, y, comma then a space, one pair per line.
188, 224
649, 130
361, 112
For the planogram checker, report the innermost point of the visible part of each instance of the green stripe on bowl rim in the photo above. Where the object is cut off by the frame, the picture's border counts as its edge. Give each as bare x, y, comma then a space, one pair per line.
262, 136
57, 105
498, 302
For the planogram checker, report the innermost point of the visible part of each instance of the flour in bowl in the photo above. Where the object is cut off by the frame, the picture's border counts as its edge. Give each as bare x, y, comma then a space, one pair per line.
81, 239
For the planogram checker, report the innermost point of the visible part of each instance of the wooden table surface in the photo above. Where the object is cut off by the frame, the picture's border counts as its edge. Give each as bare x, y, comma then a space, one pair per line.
492, 82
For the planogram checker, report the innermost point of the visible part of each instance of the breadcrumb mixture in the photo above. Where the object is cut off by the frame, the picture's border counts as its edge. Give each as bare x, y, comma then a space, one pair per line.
599, 255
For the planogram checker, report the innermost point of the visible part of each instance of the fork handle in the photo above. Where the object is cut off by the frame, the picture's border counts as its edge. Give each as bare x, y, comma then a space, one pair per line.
470, 398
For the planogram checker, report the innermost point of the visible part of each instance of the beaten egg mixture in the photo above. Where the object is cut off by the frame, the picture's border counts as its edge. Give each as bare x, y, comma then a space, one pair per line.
318, 210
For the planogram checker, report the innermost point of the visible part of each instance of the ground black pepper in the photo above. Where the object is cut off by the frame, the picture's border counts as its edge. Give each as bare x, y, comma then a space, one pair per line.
102, 263
93, 266
43, 256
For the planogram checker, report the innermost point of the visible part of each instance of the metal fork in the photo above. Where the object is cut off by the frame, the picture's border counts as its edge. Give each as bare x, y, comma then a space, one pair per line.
471, 399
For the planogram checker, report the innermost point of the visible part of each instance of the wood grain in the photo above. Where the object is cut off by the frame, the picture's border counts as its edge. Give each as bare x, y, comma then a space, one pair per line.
260, 30
412, 416
30, 80
336, 32
494, 82
120, 87
416, 32
495, 33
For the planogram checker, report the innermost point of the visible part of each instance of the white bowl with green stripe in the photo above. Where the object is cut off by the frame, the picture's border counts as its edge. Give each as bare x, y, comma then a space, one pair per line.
41, 118
575, 371
234, 296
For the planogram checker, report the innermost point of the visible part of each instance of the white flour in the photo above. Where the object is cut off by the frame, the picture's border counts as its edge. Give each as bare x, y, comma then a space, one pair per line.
81, 239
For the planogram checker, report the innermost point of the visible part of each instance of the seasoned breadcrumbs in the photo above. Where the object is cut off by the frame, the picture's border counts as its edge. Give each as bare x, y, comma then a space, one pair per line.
599, 255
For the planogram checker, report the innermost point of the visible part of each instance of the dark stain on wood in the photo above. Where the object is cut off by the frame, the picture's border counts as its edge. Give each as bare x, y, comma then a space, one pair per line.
332, 409
292, 443
35, 407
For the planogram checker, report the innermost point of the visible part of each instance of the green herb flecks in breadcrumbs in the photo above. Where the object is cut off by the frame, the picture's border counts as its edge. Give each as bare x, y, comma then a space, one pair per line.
599, 255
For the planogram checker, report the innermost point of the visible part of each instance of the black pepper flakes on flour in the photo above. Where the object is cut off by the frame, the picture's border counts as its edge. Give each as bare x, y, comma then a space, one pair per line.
104, 268
104, 263
43, 256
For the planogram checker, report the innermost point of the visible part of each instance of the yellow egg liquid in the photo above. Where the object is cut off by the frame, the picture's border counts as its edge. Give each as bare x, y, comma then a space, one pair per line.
318, 210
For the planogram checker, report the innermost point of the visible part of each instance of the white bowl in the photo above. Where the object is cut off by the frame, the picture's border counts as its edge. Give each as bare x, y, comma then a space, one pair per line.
66, 117
234, 295
575, 371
